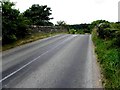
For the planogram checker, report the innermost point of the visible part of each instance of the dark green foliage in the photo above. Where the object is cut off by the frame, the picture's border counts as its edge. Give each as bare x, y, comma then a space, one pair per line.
117, 39
14, 25
117, 34
39, 15
22, 26
81, 28
9, 23
107, 30
96, 23
104, 30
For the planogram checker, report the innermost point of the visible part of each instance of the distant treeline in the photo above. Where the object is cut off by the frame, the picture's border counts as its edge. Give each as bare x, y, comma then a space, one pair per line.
80, 28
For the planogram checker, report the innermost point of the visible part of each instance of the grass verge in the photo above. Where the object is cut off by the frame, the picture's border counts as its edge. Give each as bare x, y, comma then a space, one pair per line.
28, 39
109, 58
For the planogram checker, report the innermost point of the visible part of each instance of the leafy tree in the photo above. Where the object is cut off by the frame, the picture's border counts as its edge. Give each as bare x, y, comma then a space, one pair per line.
38, 15
61, 23
97, 22
13, 23
9, 17
22, 26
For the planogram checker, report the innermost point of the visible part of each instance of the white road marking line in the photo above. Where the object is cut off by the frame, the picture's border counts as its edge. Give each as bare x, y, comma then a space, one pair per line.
74, 35
34, 60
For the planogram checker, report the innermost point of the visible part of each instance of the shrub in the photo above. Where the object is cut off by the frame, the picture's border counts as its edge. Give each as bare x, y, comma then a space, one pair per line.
9, 39
117, 38
72, 31
103, 30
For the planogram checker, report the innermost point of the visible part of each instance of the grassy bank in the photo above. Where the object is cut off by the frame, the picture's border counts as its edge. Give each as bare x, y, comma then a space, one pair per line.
109, 59
28, 39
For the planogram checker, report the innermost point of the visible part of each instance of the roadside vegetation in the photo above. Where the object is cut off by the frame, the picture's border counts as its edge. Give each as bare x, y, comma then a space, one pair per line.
79, 28
15, 25
106, 37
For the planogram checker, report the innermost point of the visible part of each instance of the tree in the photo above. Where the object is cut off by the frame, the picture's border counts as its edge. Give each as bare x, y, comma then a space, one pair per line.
61, 23
97, 23
12, 23
22, 26
9, 26
38, 15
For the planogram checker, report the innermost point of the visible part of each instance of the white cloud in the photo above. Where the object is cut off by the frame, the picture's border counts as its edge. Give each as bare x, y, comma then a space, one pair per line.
76, 11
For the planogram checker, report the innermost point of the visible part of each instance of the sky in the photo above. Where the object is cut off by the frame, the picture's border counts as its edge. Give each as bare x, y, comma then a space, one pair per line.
76, 11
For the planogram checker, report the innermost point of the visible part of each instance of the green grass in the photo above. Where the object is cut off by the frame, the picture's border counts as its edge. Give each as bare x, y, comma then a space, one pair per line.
109, 58
28, 39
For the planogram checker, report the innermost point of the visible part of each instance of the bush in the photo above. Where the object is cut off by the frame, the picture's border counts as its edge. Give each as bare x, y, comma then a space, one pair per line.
9, 39
72, 31
103, 30
117, 38
22, 27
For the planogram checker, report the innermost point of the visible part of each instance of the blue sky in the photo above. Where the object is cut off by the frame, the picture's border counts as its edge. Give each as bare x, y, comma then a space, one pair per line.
76, 11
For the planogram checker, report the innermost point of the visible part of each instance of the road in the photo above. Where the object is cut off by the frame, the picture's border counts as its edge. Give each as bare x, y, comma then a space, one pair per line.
61, 61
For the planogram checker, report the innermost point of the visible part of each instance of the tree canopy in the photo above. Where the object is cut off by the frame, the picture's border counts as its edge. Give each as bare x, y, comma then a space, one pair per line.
9, 16
61, 23
39, 15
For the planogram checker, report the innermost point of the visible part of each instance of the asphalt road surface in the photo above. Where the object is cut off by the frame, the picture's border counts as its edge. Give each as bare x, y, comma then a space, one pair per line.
61, 61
